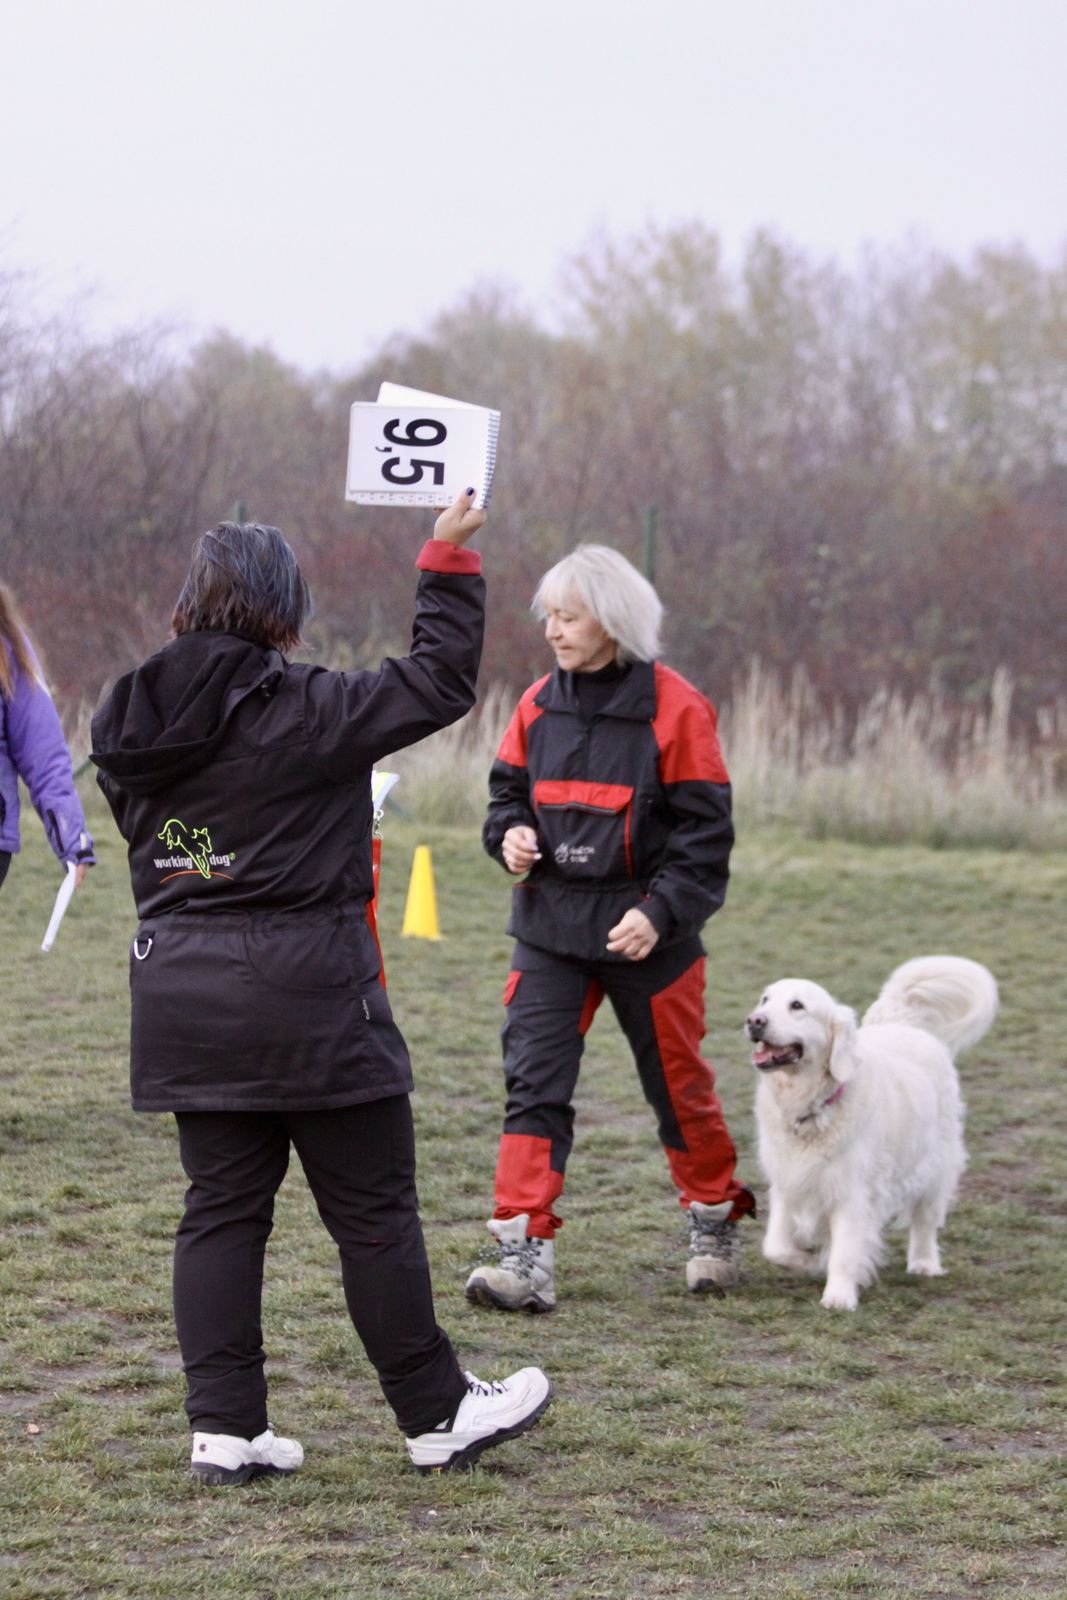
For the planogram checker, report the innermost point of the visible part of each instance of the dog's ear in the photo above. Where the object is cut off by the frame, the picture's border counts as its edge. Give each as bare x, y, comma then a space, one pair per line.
843, 1044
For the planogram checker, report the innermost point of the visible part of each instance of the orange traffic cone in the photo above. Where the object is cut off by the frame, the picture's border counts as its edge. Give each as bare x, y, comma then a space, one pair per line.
420, 915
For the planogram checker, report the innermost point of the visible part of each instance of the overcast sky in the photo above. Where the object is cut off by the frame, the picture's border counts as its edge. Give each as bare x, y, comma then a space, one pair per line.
317, 174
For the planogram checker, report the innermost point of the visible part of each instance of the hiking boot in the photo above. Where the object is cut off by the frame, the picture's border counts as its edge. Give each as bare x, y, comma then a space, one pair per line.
714, 1248
220, 1458
488, 1414
524, 1278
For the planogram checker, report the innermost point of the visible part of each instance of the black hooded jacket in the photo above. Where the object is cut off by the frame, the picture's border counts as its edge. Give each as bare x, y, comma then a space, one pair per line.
241, 784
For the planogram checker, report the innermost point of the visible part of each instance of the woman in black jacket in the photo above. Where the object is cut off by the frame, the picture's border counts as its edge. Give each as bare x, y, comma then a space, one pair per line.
610, 800
241, 783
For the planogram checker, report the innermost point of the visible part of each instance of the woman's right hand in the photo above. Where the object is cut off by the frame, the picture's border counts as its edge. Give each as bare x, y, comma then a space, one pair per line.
519, 849
460, 521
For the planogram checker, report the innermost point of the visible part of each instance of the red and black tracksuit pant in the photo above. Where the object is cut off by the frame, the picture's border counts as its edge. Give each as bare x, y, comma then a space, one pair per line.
550, 1003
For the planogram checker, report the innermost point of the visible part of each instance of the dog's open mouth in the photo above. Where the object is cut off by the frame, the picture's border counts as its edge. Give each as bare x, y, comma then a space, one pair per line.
768, 1056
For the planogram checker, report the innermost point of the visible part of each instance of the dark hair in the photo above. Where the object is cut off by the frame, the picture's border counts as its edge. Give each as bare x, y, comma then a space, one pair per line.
13, 635
244, 578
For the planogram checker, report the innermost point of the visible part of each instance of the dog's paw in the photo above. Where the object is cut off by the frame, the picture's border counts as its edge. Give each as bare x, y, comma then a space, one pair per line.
840, 1297
803, 1261
926, 1269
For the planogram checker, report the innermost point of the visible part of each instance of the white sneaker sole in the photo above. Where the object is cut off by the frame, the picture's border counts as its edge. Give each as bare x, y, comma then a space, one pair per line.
467, 1457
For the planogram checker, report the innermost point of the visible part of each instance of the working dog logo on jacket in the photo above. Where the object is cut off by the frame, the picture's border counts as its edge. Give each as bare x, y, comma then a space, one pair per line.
194, 845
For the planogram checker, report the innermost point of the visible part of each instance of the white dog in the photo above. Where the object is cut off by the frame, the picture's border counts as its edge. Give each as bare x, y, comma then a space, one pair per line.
861, 1128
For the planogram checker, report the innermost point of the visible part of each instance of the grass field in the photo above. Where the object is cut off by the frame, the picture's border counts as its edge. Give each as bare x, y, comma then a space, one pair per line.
755, 1447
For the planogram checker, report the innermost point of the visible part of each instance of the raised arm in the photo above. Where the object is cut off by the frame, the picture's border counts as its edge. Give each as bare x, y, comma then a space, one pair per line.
359, 717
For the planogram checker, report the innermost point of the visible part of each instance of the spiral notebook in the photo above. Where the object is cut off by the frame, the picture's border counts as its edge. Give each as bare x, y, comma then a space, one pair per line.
411, 448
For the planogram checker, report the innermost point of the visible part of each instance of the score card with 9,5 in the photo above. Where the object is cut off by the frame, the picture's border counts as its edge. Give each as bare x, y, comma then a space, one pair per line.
419, 455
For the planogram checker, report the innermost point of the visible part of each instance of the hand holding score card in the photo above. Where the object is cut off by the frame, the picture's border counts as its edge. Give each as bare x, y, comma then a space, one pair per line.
460, 521
411, 448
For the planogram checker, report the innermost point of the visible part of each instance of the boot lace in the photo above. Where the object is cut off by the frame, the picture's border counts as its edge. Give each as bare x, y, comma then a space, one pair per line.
718, 1239
479, 1386
520, 1256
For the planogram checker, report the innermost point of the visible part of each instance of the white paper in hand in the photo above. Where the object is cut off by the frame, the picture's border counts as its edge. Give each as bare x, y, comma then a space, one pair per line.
410, 448
66, 889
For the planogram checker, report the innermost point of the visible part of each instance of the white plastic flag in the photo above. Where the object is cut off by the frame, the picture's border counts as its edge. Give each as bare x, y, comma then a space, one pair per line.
66, 889
381, 784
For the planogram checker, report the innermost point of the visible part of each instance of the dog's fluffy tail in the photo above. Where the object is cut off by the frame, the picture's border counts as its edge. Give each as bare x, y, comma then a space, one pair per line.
951, 997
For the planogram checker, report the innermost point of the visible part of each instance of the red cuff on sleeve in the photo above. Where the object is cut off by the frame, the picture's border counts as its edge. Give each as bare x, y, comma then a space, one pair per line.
437, 555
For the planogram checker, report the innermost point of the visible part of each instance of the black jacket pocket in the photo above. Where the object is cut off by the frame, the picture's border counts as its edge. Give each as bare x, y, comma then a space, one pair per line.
585, 828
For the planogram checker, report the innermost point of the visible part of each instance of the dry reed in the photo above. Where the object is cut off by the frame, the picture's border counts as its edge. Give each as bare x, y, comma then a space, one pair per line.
901, 769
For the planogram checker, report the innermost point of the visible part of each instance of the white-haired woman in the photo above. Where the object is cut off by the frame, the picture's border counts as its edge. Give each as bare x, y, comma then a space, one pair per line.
610, 800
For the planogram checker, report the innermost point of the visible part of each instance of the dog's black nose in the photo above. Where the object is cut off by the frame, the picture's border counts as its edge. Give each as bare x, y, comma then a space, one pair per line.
756, 1025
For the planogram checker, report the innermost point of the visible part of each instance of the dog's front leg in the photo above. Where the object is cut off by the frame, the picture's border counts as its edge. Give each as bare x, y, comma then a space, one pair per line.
851, 1261
780, 1243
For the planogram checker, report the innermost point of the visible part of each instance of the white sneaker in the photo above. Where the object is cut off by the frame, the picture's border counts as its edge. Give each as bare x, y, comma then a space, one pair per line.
525, 1277
488, 1414
714, 1248
224, 1458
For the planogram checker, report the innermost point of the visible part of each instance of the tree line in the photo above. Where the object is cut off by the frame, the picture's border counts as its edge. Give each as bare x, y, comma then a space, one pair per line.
862, 472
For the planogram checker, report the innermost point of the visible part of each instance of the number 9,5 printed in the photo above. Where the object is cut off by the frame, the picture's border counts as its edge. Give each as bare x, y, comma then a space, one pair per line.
418, 456
424, 433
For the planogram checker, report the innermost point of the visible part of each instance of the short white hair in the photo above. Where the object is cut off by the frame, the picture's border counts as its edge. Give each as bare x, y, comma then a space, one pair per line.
613, 591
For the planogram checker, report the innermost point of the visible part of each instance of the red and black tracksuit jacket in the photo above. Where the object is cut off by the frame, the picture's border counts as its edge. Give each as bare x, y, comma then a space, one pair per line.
632, 808
631, 804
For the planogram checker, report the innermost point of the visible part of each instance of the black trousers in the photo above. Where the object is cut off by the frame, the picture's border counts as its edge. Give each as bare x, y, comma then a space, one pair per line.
360, 1166
5, 862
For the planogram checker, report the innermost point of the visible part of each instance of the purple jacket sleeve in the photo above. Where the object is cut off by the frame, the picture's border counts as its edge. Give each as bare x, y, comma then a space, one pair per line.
41, 759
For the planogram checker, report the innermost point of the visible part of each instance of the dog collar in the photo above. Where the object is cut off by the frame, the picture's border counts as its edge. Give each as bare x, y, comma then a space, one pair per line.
810, 1116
